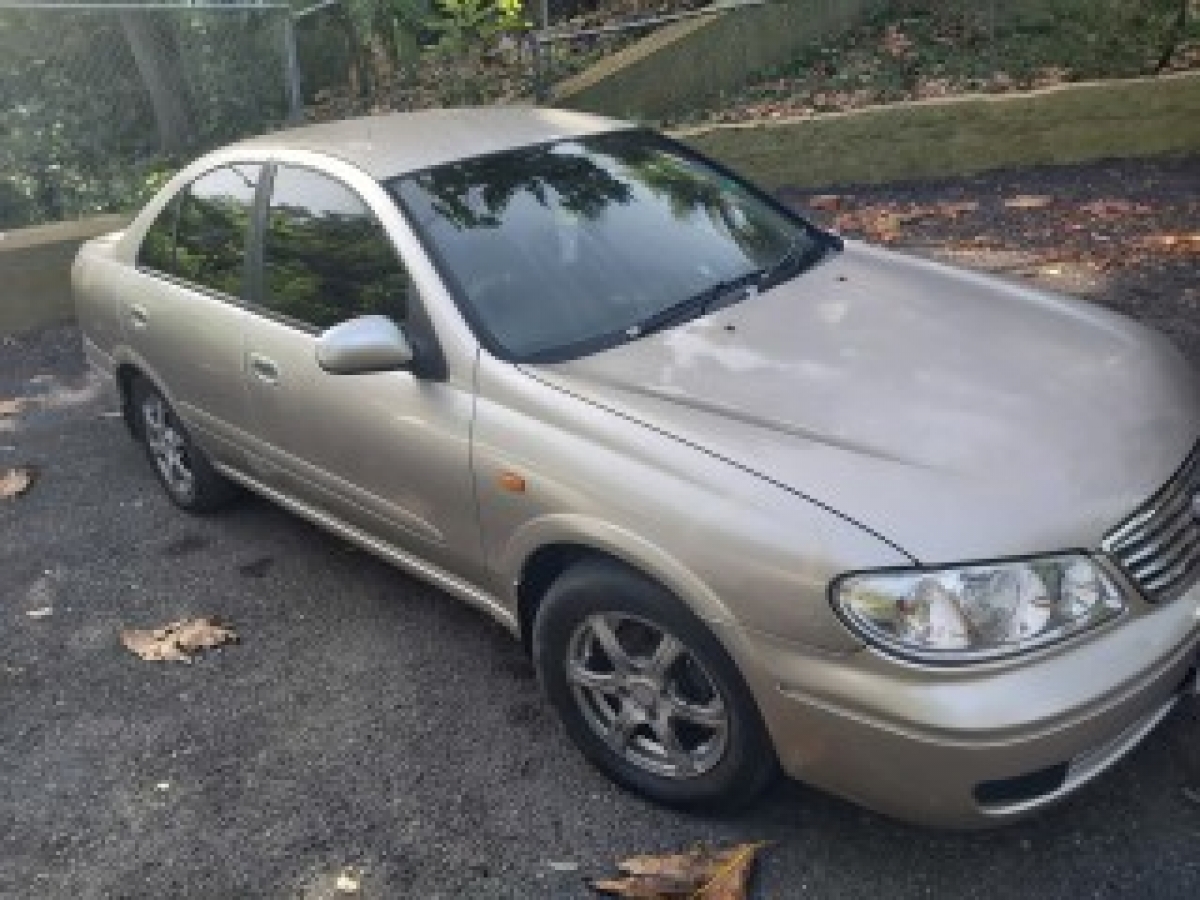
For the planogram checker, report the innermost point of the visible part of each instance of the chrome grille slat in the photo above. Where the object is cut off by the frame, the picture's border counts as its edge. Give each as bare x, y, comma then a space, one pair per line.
1176, 573
1155, 545
1165, 562
1158, 546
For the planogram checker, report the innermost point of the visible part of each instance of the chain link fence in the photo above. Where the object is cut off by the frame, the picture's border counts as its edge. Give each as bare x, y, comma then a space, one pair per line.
97, 99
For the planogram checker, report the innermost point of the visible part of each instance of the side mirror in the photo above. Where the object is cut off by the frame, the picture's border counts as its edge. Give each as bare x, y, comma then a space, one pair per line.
365, 344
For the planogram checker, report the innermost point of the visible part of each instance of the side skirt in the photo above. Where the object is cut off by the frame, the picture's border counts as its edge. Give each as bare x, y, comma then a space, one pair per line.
426, 571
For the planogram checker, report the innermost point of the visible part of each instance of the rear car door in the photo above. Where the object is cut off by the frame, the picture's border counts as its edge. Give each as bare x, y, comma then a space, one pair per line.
185, 321
386, 452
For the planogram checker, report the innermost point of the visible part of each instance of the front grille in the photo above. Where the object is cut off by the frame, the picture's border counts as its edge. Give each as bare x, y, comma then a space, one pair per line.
1158, 546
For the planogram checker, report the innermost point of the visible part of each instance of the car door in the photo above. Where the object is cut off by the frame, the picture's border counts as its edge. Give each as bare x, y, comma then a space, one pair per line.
185, 320
386, 452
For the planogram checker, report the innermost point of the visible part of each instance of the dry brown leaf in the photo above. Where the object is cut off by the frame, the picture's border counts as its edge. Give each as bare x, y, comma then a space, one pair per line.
827, 202
11, 407
179, 640
16, 482
955, 208
695, 875
1027, 201
732, 880
1104, 209
645, 887
883, 227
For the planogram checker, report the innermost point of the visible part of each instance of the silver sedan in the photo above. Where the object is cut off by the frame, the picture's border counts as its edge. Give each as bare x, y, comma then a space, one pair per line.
753, 496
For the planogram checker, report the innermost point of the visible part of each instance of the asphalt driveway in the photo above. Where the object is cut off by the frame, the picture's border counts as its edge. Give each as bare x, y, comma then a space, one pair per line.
367, 720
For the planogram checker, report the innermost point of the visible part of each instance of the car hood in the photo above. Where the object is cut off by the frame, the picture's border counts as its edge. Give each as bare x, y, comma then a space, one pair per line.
955, 415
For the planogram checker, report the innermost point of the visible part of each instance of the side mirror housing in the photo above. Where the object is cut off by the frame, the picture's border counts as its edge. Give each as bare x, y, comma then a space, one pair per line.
365, 344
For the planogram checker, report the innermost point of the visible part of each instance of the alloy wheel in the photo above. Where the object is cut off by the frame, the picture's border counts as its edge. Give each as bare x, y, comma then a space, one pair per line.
168, 447
647, 696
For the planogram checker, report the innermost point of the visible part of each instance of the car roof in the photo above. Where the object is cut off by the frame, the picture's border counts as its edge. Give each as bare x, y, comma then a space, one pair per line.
397, 143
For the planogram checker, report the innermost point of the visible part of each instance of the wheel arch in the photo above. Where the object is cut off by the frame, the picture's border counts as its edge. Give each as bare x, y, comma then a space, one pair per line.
543, 550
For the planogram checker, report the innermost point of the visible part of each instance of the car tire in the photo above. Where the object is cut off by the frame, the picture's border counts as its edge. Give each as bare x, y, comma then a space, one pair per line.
182, 468
673, 720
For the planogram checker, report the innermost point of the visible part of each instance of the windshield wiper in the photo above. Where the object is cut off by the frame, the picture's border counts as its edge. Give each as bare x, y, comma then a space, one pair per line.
693, 306
800, 256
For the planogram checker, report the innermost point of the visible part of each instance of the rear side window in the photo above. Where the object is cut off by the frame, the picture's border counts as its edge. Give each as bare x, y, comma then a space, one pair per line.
213, 221
326, 258
158, 246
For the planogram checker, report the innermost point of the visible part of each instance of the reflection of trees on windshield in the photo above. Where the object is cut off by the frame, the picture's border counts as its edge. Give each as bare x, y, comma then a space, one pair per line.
689, 190
588, 176
559, 246
475, 193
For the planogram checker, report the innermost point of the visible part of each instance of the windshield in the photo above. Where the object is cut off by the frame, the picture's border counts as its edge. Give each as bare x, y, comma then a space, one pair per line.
562, 249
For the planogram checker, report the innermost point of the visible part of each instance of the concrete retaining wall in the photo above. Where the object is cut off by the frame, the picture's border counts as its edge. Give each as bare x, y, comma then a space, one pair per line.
964, 135
693, 60
35, 271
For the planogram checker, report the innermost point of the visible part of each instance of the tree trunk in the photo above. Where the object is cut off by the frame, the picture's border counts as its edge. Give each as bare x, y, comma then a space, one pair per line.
1177, 34
157, 58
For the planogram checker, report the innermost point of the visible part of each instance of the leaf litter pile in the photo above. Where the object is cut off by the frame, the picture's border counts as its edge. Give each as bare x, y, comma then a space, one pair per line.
1128, 232
696, 875
178, 641
940, 49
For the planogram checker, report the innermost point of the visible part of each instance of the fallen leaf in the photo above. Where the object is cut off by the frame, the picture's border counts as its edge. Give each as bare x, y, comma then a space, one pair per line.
11, 407
1106, 209
695, 875
955, 208
348, 882
179, 640
1027, 201
828, 202
16, 482
732, 880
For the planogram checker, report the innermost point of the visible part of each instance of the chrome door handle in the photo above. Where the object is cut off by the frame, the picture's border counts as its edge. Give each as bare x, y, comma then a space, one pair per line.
264, 369
138, 317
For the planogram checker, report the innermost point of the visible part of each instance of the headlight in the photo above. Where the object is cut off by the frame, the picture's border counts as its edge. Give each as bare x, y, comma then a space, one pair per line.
978, 612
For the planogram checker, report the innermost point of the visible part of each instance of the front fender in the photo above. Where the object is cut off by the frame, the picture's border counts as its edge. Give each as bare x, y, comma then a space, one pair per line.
619, 543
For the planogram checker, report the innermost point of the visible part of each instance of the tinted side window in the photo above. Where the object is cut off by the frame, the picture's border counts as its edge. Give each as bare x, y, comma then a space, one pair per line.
210, 239
325, 257
158, 246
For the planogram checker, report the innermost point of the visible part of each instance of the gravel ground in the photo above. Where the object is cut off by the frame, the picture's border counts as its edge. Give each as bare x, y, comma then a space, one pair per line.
367, 721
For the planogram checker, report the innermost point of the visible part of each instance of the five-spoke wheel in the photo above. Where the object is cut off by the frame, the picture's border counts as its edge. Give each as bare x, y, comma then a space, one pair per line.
184, 471
646, 690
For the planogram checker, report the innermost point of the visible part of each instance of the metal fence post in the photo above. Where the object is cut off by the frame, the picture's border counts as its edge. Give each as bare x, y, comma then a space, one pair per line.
541, 87
291, 67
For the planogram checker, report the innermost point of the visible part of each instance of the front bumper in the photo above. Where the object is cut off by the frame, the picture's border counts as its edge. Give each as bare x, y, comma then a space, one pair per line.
972, 746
